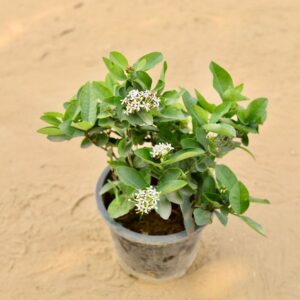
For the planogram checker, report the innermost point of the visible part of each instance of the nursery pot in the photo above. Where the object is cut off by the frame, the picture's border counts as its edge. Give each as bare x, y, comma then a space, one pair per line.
150, 257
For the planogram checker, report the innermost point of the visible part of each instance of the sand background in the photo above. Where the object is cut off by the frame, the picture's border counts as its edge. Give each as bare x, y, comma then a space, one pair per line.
53, 244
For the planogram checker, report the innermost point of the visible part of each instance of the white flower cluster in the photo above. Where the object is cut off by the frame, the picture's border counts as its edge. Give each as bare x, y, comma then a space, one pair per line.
161, 149
136, 100
146, 200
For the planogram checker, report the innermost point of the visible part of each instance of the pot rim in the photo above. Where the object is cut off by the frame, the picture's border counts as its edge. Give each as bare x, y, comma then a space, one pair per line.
120, 230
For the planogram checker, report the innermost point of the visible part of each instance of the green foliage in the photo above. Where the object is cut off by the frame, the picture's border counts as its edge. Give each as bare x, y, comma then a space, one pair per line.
255, 226
239, 198
225, 177
190, 135
222, 80
164, 208
131, 177
148, 61
119, 206
222, 129
169, 186
202, 217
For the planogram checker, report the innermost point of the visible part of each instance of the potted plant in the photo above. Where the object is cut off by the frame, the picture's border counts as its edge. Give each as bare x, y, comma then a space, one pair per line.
163, 184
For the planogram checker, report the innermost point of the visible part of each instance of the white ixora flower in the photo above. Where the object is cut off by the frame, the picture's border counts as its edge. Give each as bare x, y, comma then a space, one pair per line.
146, 200
161, 149
211, 135
136, 100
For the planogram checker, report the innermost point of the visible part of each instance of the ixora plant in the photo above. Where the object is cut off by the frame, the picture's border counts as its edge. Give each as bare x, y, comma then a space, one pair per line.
163, 182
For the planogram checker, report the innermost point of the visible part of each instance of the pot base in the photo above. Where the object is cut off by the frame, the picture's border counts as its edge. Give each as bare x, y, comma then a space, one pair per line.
151, 277
155, 262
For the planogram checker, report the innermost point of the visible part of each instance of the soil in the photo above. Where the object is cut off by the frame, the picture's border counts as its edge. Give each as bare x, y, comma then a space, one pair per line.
152, 223
54, 244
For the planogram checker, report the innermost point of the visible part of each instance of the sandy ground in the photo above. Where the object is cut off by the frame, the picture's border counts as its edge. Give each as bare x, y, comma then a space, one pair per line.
53, 243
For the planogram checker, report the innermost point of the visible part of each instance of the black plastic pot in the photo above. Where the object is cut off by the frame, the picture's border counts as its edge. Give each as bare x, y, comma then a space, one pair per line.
149, 257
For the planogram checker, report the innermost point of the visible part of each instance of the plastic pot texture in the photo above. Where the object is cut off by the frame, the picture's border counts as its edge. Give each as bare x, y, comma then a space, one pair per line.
154, 258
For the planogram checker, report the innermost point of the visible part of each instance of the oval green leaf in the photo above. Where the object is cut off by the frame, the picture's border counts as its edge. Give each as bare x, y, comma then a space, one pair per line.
222, 129
202, 217
169, 186
183, 154
131, 177
225, 176
239, 198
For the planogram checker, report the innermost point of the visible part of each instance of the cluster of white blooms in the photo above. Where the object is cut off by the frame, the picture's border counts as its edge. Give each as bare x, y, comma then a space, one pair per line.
211, 135
161, 149
136, 100
146, 200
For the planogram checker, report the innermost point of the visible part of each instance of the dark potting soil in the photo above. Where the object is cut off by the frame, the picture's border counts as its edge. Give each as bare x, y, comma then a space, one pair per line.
152, 223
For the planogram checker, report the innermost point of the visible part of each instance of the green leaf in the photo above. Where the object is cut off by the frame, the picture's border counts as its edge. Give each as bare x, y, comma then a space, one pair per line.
200, 115
54, 114
170, 174
213, 198
84, 125
187, 214
114, 70
109, 186
146, 117
69, 130
50, 131
233, 94
164, 208
220, 111
239, 198
188, 101
257, 227
174, 197
51, 120
222, 129
201, 137
131, 177
144, 79
259, 200
101, 139
119, 207
85, 143
124, 147
166, 187
203, 102
183, 154
106, 111
225, 176
72, 110
256, 111
110, 83
208, 184
221, 78
146, 173
247, 151
240, 127
189, 143
222, 216
202, 217
58, 138
149, 61
171, 97
103, 91
144, 154
88, 96
161, 82
173, 113
119, 59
